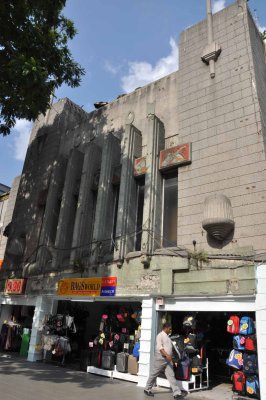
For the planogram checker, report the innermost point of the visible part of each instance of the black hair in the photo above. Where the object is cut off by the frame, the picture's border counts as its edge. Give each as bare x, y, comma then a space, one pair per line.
167, 325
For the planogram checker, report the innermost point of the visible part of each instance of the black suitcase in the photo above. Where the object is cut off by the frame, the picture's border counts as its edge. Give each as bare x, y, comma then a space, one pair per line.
96, 358
108, 360
122, 362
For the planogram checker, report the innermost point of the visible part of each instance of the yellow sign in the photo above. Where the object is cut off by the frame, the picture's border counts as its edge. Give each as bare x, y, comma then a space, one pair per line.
87, 287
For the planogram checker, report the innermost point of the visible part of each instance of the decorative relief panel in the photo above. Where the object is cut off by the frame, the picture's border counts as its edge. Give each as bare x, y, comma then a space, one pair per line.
140, 167
175, 156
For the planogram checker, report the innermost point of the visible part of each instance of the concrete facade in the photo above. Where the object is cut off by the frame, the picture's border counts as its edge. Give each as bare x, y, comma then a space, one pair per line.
77, 204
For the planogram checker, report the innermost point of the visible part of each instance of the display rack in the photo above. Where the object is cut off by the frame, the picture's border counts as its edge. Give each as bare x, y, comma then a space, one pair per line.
113, 374
196, 382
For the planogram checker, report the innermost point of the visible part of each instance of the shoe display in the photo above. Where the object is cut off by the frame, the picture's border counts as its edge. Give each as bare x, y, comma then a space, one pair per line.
148, 393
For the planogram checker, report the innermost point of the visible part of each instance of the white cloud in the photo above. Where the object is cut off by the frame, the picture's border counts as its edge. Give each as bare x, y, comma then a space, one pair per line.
262, 28
218, 5
21, 134
141, 73
113, 69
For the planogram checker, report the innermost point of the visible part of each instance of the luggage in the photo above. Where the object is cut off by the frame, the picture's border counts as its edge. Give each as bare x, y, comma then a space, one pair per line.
247, 326
239, 342
235, 359
132, 365
239, 382
252, 386
251, 343
122, 362
182, 371
135, 352
233, 324
108, 359
250, 364
196, 365
96, 357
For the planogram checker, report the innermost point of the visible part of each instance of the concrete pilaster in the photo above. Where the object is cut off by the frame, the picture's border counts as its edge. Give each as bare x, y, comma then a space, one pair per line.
51, 215
147, 340
68, 208
44, 306
152, 212
103, 225
126, 218
82, 234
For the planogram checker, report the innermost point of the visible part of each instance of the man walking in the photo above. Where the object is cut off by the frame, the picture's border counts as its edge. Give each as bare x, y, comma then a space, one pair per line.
163, 362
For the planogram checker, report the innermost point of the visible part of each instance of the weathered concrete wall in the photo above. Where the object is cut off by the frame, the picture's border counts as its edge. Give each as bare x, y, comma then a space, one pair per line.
221, 117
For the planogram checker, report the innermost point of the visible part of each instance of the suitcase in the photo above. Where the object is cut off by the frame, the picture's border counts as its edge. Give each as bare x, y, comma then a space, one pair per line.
122, 362
132, 365
108, 360
96, 357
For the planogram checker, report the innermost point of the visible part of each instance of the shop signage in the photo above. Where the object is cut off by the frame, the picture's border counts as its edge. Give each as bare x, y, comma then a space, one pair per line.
160, 301
87, 287
15, 286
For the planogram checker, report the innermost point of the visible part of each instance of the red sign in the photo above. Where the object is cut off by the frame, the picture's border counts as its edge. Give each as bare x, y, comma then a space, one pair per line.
15, 286
140, 167
175, 156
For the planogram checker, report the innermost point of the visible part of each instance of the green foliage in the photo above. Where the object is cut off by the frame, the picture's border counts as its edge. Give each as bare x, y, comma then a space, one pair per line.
34, 57
198, 257
263, 35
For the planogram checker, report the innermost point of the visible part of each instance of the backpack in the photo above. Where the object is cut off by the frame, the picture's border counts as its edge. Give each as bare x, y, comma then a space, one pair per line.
239, 342
250, 364
233, 324
239, 382
135, 352
178, 347
190, 343
196, 365
189, 322
235, 359
246, 326
252, 386
251, 343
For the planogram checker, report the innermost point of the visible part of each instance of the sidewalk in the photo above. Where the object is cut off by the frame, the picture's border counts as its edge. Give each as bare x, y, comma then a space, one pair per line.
24, 380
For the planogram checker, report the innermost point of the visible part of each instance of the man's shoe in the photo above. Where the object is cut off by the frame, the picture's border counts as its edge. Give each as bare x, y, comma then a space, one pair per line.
148, 393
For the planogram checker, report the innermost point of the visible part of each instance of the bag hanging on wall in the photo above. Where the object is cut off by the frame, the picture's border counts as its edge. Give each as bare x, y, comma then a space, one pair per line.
235, 359
233, 324
250, 364
190, 343
247, 326
251, 343
252, 386
239, 342
239, 382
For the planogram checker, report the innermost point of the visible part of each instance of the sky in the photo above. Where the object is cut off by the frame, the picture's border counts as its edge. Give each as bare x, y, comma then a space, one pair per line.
122, 44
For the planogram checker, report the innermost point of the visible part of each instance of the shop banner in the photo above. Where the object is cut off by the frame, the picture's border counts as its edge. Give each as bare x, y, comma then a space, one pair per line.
15, 286
87, 287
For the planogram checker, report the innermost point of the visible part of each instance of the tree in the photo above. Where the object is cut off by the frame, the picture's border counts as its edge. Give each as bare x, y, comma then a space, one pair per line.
34, 57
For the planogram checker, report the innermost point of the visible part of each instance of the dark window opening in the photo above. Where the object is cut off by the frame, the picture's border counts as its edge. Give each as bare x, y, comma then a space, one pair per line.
170, 210
116, 189
139, 214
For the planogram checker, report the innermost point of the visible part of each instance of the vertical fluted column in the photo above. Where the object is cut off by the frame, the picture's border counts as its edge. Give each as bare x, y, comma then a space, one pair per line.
51, 214
103, 226
126, 220
82, 234
152, 212
68, 208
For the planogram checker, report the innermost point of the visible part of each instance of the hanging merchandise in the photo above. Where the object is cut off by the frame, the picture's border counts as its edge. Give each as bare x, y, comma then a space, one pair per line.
252, 386
239, 342
247, 326
196, 365
235, 359
189, 322
250, 364
182, 371
233, 324
239, 382
251, 343
190, 343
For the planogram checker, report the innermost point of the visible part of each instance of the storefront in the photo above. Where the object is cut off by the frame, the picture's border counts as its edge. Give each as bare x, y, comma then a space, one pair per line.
16, 317
211, 339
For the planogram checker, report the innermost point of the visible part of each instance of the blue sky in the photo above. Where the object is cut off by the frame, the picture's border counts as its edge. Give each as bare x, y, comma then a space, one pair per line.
122, 44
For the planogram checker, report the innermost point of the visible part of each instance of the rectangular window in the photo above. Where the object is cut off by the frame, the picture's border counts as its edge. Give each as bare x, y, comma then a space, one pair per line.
139, 213
116, 189
170, 182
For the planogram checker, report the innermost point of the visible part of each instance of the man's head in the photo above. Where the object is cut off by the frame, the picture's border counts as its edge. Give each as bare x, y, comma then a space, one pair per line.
167, 328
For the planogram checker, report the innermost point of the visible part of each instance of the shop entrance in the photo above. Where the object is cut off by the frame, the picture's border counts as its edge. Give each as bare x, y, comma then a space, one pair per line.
212, 344
16, 324
82, 333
